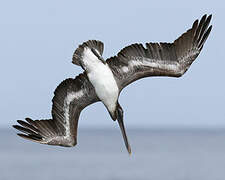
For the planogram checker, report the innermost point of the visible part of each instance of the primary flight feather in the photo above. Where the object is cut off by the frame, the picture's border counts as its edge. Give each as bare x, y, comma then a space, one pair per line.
104, 80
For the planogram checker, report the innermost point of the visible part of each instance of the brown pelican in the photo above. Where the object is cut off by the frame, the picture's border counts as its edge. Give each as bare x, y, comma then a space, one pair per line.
104, 80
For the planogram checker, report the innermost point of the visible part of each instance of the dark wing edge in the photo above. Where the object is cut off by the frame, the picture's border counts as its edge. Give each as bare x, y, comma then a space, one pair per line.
92, 44
71, 96
160, 59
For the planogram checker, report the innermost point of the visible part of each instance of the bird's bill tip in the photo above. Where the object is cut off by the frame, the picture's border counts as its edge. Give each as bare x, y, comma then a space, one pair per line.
129, 151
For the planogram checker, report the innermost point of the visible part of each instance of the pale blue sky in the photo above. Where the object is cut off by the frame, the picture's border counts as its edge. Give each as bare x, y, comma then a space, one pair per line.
38, 38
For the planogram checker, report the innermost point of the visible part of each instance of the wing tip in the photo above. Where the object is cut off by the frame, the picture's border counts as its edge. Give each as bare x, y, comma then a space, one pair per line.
30, 132
30, 137
203, 31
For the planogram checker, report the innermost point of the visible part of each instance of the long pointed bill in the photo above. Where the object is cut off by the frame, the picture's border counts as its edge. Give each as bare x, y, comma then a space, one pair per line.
122, 128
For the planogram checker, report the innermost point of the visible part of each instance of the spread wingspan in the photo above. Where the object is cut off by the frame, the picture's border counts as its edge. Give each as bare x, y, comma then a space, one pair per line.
160, 59
131, 63
71, 96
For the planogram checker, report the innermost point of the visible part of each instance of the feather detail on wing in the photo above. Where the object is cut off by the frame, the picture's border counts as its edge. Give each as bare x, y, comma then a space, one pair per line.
160, 59
98, 47
71, 96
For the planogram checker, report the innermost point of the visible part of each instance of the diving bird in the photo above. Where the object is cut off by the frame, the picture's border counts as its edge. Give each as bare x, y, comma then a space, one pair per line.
103, 80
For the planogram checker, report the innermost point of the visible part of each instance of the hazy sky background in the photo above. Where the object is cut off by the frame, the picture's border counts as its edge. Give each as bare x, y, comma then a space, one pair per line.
38, 38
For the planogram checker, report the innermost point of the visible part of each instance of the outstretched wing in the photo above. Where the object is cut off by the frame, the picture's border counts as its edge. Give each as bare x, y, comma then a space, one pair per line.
71, 96
160, 59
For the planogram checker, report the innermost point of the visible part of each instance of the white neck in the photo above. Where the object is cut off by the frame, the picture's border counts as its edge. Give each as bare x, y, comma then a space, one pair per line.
101, 77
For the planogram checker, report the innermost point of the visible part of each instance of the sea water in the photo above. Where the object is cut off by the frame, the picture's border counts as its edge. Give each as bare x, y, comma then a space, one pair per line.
157, 154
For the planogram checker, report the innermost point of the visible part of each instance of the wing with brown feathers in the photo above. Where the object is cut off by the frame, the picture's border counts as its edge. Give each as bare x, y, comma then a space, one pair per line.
160, 59
71, 96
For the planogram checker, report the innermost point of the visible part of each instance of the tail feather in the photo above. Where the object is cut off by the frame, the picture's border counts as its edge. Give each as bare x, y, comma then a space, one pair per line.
92, 44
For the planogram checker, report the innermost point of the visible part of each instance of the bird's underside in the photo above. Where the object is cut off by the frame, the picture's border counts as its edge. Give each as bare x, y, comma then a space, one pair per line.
131, 63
